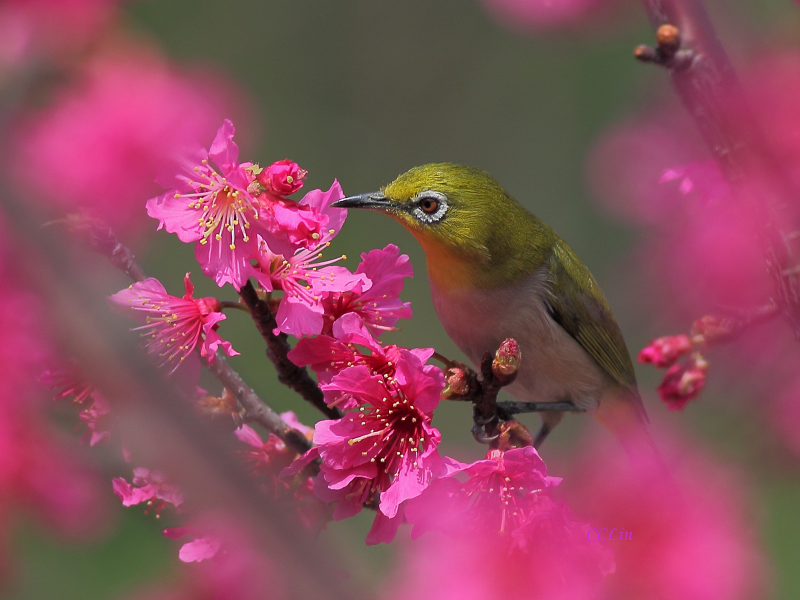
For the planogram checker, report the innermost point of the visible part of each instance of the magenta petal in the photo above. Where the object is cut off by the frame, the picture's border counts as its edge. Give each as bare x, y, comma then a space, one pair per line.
384, 529
249, 436
173, 214
224, 150
199, 549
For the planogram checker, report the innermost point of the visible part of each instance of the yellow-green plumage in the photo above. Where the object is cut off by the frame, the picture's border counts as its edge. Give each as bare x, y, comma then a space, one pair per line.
498, 271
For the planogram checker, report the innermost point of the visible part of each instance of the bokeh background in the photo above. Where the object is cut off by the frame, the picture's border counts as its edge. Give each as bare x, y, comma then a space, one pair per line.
362, 90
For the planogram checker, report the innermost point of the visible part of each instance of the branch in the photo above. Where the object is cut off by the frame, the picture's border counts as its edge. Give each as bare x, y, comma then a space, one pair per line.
289, 373
709, 90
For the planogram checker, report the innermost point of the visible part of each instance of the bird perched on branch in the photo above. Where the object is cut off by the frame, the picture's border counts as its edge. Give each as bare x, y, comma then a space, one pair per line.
497, 271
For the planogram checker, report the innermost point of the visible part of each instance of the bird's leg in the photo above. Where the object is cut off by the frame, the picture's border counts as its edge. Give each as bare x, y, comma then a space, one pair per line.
543, 432
515, 408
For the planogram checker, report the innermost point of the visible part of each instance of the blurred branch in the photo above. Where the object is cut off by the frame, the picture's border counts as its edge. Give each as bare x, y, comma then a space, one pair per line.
289, 374
708, 88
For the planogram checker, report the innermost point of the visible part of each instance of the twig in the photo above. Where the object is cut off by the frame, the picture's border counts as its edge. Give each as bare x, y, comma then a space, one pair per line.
289, 373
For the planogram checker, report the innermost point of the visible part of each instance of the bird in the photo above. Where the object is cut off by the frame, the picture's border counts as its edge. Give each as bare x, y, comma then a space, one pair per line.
497, 271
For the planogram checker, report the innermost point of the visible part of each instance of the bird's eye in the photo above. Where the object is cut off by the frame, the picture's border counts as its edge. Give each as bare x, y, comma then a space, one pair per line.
429, 205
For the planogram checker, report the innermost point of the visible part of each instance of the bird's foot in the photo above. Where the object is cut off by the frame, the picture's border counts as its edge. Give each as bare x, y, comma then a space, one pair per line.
481, 436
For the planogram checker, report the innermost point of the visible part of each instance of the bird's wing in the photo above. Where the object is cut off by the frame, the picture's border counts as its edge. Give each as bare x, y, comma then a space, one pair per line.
583, 312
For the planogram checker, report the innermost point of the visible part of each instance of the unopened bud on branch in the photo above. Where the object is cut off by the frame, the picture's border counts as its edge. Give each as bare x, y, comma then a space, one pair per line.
457, 383
507, 359
713, 329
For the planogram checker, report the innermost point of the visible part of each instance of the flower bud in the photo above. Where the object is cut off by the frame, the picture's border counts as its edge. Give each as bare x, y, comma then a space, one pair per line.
507, 359
683, 382
282, 178
664, 351
713, 329
457, 383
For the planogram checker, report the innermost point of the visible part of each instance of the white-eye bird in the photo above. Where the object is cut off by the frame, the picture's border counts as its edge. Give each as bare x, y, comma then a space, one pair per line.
497, 271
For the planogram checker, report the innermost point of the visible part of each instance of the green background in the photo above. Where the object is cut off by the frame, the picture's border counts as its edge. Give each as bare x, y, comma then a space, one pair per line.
362, 90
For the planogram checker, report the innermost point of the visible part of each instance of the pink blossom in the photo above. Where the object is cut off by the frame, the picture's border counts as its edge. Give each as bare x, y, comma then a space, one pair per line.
328, 356
101, 142
703, 178
378, 304
664, 351
387, 448
150, 487
175, 326
213, 207
683, 382
691, 535
96, 417
536, 14
297, 225
282, 177
557, 564
503, 492
199, 549
304, 284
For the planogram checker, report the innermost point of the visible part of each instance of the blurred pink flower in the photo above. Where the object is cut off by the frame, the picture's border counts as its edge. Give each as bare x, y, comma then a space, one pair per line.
538, 14
378, 304
175, 326
557, 563
664, 351
101, 142
29, 28
683, 382
150, 487
199, 549
690, 536
703, 178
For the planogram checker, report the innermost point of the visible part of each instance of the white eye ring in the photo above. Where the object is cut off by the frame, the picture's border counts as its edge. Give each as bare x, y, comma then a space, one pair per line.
430, 217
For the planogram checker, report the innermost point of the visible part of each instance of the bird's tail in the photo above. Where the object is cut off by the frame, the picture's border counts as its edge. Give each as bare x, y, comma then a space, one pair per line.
622, 412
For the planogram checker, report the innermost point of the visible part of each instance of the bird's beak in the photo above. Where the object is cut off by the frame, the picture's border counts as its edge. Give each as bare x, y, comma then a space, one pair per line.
373, 200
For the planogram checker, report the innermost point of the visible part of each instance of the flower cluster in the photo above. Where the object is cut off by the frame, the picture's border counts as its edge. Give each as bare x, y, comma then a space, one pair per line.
384, 451
175, 326
684, 381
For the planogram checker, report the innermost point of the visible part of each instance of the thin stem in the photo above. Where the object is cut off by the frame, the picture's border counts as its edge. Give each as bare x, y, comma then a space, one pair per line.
234, 304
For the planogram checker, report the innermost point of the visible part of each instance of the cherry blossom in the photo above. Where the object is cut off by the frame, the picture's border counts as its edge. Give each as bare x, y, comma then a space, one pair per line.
378, 304
175, 326
214, 208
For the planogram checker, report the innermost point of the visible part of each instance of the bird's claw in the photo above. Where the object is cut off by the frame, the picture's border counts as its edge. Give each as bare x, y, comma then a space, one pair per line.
479, 433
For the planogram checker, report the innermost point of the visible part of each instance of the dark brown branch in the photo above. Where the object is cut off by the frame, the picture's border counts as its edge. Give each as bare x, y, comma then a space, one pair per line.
710, 92
289, 373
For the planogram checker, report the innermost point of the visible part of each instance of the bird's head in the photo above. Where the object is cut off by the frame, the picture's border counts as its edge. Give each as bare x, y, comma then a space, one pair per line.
472, 231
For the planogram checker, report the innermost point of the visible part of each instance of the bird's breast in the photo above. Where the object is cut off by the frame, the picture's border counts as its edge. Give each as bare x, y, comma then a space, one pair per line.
554, 366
